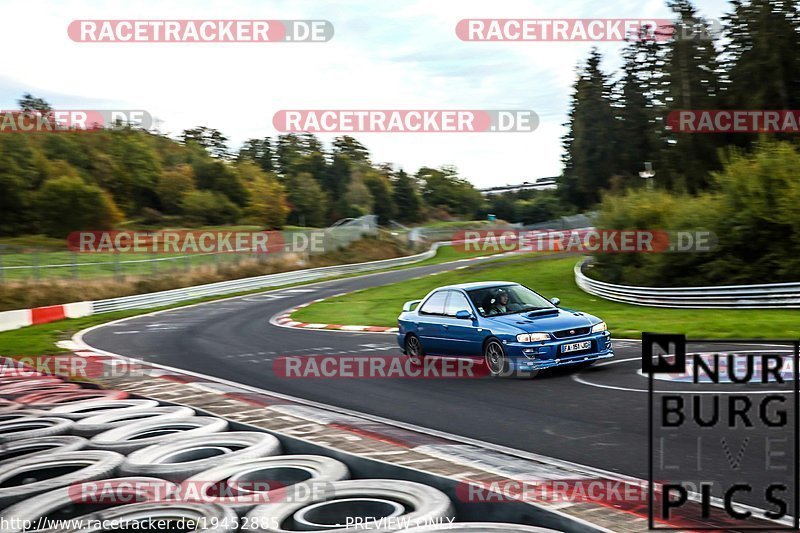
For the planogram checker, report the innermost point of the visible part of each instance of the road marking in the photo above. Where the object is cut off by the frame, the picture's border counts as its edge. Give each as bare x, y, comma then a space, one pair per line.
577, 377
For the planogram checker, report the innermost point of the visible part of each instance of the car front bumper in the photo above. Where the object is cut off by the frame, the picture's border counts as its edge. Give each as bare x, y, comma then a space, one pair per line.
549, 354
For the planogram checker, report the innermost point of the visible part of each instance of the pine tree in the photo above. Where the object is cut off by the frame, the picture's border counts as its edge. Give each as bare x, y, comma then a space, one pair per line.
636, 97
691, 76
762, 55
589, 146
406, 198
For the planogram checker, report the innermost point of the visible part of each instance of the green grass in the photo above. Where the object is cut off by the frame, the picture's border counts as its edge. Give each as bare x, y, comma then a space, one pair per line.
554, 278
94, 265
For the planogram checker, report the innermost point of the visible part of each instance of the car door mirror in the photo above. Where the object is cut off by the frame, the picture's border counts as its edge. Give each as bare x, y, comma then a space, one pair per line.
464, 315
555, 301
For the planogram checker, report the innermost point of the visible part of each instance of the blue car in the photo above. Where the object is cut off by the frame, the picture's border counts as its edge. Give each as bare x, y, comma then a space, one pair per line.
513, 328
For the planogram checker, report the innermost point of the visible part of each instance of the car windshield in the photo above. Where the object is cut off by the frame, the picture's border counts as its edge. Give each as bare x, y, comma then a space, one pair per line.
507, 300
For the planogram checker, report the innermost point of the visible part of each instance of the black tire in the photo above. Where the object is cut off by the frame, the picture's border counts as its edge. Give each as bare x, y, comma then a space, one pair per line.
47, 400
66, 502
298, 476
87, 408
53, 471
413, 348
132, 437
417, 503
93, 425
22, 413
185, 457
30, 427
17, 389
218, 519
8, 405
41, 446
494, 356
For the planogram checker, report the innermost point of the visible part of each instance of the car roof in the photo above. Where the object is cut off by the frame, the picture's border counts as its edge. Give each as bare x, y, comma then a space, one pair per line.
478, 285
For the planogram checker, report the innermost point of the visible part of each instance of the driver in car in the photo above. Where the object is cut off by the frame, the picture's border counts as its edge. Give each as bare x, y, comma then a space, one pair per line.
499, 303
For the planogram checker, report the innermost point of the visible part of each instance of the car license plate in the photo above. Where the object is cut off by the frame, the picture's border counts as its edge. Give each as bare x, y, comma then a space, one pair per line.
576, 346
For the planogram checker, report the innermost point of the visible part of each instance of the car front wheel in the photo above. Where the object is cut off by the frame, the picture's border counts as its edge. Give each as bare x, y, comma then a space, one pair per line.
414, 349
495, 357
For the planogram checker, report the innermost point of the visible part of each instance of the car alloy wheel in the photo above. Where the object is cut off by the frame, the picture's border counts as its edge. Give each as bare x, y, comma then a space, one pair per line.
414, 349
495, 358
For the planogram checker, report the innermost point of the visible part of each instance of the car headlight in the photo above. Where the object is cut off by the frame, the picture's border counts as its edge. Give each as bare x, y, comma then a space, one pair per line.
597, 328
532, 337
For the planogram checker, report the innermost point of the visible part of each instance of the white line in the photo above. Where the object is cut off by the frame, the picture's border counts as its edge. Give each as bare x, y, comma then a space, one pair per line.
576, 377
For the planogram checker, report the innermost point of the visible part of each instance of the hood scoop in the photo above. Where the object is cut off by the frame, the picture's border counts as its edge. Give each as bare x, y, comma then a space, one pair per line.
542, 312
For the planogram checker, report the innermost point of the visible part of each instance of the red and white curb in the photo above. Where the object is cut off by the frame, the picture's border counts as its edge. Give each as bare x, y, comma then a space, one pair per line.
22, 318
285, 320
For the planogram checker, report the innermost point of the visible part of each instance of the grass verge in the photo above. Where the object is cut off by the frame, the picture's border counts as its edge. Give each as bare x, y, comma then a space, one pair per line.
380, 306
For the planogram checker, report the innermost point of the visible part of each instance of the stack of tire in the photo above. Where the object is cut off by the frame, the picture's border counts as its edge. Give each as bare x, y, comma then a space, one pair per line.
77, 459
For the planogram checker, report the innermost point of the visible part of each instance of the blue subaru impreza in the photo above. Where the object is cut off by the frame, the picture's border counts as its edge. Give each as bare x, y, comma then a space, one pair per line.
507, 324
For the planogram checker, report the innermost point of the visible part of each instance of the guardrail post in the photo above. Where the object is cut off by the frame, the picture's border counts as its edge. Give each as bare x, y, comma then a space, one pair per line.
36, 273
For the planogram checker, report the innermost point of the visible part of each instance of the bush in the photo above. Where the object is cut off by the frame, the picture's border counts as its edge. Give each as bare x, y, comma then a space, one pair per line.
68, 204
209, 207
752, 211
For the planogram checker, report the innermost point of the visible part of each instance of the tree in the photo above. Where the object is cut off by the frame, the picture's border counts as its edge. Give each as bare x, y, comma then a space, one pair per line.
210, 207
138, 171
358, 199
589, 147
268, 203
287, 152
504, 206
544, 206
68, 204
638, 93
219, 176
350, 147
307, 199
214, 142
173, 185
259, 151
30, 104
406, 198
444, 188
691, 74
380, 187
761, 55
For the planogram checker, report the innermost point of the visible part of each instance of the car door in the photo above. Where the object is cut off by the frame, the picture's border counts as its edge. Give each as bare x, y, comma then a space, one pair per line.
429, 329
464, 337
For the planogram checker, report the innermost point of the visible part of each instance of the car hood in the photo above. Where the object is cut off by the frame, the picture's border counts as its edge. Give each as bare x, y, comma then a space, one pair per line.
562, 319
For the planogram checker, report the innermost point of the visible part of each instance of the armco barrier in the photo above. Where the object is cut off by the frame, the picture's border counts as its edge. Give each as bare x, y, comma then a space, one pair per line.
157, 299
768, 295
26, 317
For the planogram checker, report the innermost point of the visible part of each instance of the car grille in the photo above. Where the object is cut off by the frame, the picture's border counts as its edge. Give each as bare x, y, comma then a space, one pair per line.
567, 333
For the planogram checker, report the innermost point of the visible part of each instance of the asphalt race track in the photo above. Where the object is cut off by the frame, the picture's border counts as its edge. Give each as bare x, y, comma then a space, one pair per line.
595, 417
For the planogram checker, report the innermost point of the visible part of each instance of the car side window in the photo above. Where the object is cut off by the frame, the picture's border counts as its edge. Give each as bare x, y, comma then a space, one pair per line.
457, 302
435, 304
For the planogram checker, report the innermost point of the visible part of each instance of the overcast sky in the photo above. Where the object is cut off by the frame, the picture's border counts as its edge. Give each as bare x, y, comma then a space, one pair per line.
384, 55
